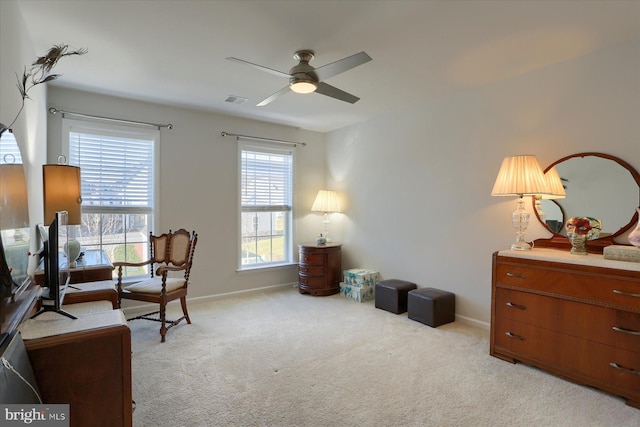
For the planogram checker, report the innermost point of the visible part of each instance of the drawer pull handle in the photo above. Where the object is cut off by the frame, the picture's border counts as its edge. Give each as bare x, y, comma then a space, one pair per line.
626, 331
512, 335
622, 368
518, 306
517, 275
627, 294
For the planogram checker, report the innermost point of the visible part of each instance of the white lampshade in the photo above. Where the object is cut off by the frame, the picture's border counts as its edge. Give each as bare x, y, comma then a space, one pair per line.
554, 185
520, 176
326, 201
61, 184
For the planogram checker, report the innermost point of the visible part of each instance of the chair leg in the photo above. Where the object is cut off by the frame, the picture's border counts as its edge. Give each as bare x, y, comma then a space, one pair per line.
163, 320
183, 303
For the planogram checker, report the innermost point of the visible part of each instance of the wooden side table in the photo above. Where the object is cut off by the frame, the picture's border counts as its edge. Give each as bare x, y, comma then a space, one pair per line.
92, 279
320, 269
92, 267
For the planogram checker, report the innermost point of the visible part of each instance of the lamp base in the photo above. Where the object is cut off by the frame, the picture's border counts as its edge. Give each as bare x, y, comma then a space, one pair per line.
520, 221
72, 250
521, 246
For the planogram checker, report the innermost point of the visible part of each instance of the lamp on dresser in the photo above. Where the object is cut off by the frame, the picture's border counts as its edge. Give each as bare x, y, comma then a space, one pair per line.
520, 176
326, 202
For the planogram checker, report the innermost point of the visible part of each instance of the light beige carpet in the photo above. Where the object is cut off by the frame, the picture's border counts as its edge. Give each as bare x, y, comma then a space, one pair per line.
279, 358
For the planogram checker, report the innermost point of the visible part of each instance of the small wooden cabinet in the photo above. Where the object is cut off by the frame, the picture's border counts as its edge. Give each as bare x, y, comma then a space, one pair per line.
320, 269
92, 267
574, 316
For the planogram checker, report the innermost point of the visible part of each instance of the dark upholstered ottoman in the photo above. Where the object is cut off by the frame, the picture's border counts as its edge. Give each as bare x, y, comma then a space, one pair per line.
431, 306
391, 295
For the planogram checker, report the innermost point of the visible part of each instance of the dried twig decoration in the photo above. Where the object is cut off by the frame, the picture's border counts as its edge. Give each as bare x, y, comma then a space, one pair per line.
40, 70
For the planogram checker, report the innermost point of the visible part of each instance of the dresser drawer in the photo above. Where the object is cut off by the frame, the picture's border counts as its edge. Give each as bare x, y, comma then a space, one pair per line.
609, 291
312, 281
312, 259
586, 321
303, 269
597, 364
539, 344
626, 331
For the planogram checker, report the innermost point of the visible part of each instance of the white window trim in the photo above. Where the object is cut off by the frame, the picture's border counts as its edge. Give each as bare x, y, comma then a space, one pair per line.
276, 149
131, 131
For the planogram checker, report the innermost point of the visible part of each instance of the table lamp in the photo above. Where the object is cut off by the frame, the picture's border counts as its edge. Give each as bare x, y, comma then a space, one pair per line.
62, 192
520, 176
326, 202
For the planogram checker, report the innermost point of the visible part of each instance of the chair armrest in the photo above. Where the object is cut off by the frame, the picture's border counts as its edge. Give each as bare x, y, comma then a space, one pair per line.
130, 264
168, 268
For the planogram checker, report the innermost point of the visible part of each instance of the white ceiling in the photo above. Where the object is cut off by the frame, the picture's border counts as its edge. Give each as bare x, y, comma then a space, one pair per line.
174, 52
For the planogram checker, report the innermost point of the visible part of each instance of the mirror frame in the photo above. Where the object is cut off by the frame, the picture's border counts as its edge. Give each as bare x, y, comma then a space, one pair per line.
597, 245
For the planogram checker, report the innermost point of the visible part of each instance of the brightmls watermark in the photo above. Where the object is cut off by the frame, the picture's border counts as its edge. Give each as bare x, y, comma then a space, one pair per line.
34, 415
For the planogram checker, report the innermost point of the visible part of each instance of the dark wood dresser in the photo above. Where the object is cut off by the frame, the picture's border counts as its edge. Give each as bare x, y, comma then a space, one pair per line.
320, 269
574, 316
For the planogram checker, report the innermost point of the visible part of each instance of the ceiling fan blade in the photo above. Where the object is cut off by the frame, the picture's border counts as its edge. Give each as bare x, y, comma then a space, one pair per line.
274, 96
259, 67
336, 93
341, 65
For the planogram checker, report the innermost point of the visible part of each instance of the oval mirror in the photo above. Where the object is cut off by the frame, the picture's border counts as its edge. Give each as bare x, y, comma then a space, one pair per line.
597, 185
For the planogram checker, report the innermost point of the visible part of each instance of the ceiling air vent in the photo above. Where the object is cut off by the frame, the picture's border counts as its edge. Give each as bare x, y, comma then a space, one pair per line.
235, 99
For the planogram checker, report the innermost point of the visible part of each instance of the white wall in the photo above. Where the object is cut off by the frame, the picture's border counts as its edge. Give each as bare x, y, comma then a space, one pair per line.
30, 128
418, 181
198, 181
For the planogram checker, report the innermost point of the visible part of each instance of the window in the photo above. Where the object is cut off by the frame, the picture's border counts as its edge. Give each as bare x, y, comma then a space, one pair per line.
9, 150
266, 181
117, 175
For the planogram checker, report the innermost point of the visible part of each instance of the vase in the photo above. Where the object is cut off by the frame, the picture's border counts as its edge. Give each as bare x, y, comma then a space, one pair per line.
579, 230
634, 236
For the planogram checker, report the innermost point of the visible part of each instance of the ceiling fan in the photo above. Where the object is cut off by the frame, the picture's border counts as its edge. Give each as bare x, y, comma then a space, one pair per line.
304, 78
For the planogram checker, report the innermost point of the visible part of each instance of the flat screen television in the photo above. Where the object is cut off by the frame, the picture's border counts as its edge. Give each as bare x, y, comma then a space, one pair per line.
56, 265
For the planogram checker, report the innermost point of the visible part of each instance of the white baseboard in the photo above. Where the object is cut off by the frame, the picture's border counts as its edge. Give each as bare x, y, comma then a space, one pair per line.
473, 322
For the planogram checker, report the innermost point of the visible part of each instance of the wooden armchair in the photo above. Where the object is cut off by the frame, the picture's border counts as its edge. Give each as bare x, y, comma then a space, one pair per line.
172, 252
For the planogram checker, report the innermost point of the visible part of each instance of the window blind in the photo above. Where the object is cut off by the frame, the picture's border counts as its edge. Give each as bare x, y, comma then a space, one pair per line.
266, 181
9, 150
116, 171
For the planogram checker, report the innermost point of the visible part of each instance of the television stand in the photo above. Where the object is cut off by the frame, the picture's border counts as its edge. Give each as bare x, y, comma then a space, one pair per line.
49, 309
50, 305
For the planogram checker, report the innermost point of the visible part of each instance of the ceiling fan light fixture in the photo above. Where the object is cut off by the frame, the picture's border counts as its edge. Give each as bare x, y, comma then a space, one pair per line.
303, 86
